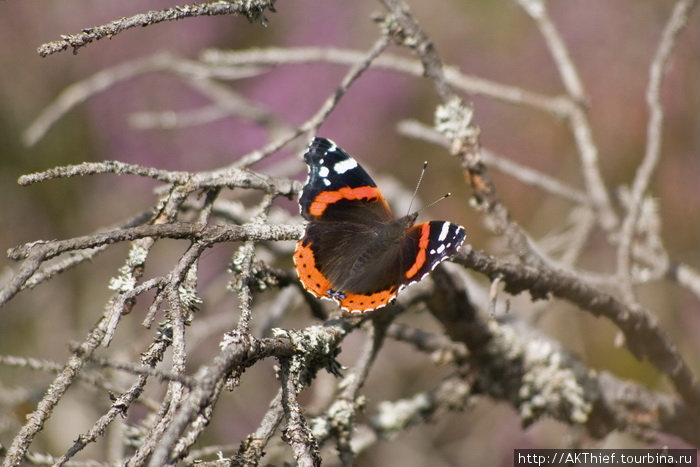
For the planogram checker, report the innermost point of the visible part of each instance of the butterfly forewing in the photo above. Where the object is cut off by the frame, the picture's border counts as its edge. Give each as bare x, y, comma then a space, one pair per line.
338, 188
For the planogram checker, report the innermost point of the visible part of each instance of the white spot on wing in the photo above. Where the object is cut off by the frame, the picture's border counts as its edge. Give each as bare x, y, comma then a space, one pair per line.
345, 165
444, 231
326, 182
323, 172
440, 249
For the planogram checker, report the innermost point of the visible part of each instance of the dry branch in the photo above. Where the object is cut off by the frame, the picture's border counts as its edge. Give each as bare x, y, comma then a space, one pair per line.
252, 9
643, 336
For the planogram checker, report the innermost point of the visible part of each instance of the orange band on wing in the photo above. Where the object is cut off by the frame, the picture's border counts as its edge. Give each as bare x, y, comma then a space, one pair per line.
422, 248
321, 202
357, 303
310, 276
315, 282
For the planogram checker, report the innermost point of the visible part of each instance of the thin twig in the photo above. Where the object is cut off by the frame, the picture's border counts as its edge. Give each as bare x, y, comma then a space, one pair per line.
135, 264
242, 266
120, 304
234, 104
50, 269
186, 231
229, 177
520, 172
252, 448
426, 341
55, 392
297, 433
685, 276
254, 10
652, 152
119, 407
588, 151
393, 417
53, 367
273, 56
341, 414
326, 108
187, 267
36, 458
80, 91
141, 370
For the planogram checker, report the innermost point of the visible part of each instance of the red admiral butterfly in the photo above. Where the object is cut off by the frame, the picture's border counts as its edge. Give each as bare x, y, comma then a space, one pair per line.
354, 251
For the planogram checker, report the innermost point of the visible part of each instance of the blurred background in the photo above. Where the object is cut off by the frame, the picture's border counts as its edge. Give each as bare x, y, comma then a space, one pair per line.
612, 44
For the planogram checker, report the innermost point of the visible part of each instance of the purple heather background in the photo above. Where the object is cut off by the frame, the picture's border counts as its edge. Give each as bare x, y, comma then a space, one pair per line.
612, 44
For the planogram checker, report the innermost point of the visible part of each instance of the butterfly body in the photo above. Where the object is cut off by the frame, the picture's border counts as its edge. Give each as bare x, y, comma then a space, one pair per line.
354, 251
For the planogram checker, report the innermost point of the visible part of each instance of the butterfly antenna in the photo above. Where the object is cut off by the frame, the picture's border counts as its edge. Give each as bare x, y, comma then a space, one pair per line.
446, 195
415, 192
